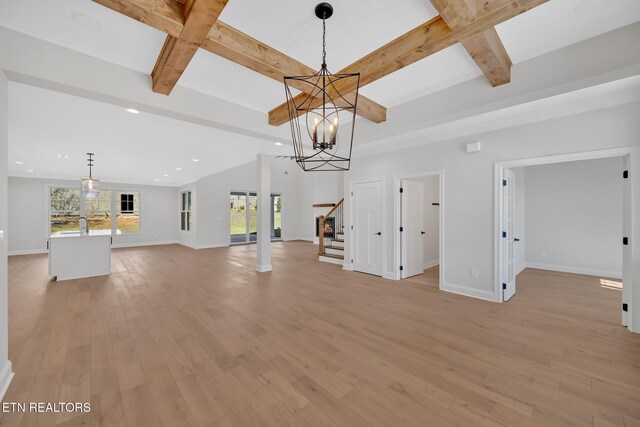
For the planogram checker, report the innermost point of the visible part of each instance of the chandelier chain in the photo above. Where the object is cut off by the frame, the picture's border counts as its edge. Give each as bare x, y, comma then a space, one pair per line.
324, 43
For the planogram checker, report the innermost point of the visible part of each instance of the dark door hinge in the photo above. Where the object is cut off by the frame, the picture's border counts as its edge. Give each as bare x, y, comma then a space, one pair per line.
625, 306
504, 234
625, 174
401, 190
401, 229
625, 241
504, 182
401, 268
504, 286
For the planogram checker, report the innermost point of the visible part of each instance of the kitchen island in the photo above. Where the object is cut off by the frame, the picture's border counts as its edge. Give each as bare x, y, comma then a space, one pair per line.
74, 255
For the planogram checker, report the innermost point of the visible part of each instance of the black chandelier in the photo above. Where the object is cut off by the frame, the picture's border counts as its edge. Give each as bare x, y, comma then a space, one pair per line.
318, 143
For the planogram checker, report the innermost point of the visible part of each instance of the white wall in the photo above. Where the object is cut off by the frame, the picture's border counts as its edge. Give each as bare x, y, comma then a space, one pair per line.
468, 204
316, 188
574, 216
211, 195
28, 214
520, 214
5, 364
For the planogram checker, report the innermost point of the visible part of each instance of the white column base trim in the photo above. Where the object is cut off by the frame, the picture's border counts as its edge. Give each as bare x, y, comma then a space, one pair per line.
469, 292
575, 270
263, 268
6, 375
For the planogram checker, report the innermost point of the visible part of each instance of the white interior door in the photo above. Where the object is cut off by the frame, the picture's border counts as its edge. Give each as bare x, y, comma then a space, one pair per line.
367, 227
413, 234
508, 273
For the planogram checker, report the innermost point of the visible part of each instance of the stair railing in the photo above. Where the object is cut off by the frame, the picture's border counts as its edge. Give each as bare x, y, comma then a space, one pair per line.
337, 224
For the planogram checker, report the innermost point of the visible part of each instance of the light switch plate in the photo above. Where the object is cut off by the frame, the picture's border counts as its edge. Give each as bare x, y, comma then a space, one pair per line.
1, 235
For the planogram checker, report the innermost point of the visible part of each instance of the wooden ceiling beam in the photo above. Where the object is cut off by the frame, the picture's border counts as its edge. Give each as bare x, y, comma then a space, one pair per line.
485, 48
177, 52
164, 15
223, 40
417, 44
231, 44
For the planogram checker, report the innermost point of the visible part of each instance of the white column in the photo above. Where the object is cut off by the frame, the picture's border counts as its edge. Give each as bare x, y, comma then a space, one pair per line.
6, 373
263, 260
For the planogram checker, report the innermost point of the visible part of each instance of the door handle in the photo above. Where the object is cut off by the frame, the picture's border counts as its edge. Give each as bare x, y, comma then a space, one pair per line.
379, 233
423, 232
515, 239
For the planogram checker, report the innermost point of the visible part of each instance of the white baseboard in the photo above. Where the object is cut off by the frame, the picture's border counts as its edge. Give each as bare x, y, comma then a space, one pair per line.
114, 246
347, 267
135, 245
6, 375
28, 252
204, 246
263, 268
575, 270
429, 264
291, 239
469, 292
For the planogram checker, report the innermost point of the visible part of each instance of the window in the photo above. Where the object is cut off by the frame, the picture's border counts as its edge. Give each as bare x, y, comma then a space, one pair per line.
126, 203
243, 217
98, 211
64, 206
110, 212
185, 211
128, 215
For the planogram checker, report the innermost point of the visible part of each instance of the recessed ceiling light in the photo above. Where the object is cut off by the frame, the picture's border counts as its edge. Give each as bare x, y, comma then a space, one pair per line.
178, 169
17, 162
30, 170
195, 160
156, 180
85, 21
278, 143
132, 111
166, 174
63, 156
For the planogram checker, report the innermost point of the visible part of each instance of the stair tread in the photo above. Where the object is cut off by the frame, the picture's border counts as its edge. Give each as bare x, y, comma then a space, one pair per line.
333, 256
338, 248
337, 240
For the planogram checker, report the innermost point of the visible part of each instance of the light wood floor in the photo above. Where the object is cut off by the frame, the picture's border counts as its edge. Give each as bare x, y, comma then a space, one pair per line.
182, 337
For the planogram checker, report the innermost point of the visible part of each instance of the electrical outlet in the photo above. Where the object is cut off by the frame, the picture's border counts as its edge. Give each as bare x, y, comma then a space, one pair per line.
474, 273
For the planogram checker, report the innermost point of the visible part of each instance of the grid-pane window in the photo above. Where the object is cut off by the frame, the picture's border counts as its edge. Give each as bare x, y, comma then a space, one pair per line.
185, 211
64, 210
128, 212
98, 211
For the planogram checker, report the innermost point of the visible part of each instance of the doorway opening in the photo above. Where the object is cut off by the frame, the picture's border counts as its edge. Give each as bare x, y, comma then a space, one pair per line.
566, 214
419, 225
243, 217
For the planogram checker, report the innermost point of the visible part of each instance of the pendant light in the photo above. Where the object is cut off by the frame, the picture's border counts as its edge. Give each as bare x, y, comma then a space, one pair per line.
320, 142
90, 186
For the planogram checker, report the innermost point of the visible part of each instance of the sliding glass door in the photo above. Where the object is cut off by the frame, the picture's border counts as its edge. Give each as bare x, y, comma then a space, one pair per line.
243, 217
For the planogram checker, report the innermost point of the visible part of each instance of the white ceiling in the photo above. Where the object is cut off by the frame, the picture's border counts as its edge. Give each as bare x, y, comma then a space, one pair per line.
129, 148
45, 124
357, 28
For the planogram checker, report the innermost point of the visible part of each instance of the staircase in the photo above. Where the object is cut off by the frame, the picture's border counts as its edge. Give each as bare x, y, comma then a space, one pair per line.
331, 230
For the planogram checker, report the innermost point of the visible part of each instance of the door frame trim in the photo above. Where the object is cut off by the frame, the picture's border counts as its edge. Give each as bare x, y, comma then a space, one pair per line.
397, 181
499, 168
383, 220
